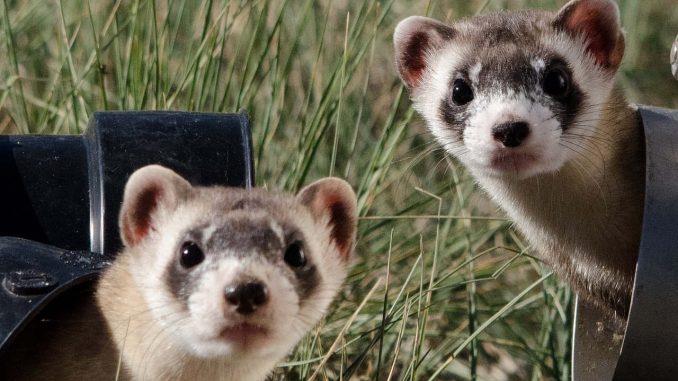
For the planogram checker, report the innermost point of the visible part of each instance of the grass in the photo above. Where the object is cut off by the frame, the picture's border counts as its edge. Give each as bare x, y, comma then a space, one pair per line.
439, 290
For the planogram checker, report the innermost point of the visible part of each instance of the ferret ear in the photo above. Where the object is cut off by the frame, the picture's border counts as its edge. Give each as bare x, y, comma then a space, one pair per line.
147, 191
414, 39
332, 199
597, 22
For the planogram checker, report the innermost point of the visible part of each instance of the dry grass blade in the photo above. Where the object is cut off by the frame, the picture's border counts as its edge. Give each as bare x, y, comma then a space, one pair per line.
341, 334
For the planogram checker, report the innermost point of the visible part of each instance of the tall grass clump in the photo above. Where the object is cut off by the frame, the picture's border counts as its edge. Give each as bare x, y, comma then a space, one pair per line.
442, 287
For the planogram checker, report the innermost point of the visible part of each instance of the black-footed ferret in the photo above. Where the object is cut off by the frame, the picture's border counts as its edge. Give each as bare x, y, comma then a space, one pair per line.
213, 284
526, 101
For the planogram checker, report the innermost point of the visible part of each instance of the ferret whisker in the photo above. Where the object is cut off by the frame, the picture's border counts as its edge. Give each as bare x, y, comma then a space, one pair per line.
581, 152
587, 146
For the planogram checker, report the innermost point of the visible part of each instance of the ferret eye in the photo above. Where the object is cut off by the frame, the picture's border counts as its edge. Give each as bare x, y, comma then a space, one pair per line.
556, 83
294, 255
461, 92
191, 254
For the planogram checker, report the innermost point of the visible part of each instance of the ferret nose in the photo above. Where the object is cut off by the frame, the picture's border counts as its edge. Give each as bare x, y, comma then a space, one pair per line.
246, 297
511, 134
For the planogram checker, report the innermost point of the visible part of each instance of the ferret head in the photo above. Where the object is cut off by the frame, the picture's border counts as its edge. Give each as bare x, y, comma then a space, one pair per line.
236, 273
513, 93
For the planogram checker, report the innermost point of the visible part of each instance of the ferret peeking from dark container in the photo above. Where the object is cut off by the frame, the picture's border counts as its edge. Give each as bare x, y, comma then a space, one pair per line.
526, 101
213, 283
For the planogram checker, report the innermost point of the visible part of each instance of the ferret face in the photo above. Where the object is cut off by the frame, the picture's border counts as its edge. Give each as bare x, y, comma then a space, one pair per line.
241, 279
235, 273
515, 93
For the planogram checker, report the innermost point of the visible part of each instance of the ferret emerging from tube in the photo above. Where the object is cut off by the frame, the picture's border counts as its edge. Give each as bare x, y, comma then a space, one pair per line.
526, 101
213, 284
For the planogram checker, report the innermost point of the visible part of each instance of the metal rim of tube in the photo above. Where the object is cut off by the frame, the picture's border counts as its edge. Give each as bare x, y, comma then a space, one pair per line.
650, 346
